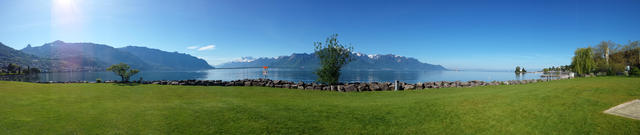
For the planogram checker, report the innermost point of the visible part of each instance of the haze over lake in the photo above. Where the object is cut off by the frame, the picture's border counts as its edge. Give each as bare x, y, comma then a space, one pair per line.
293, 75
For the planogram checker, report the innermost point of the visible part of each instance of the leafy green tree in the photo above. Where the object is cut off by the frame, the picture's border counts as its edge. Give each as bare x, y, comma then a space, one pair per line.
523, 70
518, 69
583, 62
13, 68
333, 55
34, 70
635, 71
123, 70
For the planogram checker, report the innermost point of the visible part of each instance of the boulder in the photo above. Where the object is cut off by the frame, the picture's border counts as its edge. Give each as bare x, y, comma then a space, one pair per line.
419, 86
174, 83
363, 87
374, 87
409, 87
350, 88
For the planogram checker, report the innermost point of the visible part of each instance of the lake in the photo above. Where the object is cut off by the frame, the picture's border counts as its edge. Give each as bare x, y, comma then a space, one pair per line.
290, 75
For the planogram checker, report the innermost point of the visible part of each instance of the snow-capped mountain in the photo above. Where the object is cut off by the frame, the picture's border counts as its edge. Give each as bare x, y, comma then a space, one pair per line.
311, 61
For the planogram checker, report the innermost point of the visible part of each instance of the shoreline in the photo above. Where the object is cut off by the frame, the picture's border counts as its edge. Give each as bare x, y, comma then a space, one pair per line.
342, 87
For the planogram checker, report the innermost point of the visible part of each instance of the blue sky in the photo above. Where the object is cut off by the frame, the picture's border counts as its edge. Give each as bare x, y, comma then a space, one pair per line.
495, 35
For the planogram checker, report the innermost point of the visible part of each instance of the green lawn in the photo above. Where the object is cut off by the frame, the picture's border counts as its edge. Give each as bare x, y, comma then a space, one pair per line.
557, 107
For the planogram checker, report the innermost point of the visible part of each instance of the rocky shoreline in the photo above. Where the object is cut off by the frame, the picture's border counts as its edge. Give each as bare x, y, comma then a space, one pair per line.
346, 87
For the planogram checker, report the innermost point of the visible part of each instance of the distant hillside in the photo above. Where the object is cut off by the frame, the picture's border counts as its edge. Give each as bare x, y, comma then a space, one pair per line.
9, 55
85, 56
360, 62
161, 60
97, 57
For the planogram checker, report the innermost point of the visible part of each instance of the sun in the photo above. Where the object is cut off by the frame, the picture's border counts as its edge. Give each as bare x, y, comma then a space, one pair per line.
66, 19
63, 2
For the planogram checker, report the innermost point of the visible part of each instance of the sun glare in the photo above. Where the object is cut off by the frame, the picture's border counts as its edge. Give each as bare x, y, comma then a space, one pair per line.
66, 18
63, 2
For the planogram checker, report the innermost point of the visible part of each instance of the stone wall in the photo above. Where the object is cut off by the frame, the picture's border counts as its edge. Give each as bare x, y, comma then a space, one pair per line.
348, 87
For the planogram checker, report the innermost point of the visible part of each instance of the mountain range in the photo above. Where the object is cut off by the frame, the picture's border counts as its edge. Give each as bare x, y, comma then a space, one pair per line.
360, 61
61, 56
9, 55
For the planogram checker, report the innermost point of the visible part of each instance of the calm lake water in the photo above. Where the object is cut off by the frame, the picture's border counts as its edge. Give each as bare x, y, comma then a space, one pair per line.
291, 75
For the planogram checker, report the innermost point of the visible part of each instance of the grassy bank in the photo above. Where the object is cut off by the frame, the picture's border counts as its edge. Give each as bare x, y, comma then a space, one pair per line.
560, 107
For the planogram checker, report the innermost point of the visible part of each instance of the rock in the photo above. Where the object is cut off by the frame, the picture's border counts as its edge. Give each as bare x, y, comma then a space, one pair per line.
409, 87
384, 86
464, 84
247, 83
363, 87
350, 88
419, 86
374, 87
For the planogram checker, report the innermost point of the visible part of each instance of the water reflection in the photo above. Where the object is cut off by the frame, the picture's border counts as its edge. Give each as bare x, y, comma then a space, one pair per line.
290, 75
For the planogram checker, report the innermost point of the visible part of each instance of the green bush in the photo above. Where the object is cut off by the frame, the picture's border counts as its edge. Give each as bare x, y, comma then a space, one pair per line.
635, 71
98, 80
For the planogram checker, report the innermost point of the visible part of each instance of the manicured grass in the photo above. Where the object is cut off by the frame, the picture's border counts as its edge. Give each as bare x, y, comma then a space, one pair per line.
558, 107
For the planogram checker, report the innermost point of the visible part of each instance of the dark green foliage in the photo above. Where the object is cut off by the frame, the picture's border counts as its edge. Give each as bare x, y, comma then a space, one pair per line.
13, 68
123, 71
635, 71
30, 70
333, 55
518, 69
98, 80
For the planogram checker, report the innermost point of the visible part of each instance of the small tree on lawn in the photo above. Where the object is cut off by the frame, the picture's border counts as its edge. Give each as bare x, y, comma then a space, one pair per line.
123, 71
333, 55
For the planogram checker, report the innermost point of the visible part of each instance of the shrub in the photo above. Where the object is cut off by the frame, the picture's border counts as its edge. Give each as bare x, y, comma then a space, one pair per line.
635, 71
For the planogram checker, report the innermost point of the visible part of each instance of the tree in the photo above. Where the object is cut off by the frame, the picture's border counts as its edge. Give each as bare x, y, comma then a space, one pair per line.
12, 67
123, 71
545, 70
523, 70
333, 55
517, 69
583, 62
635, 71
